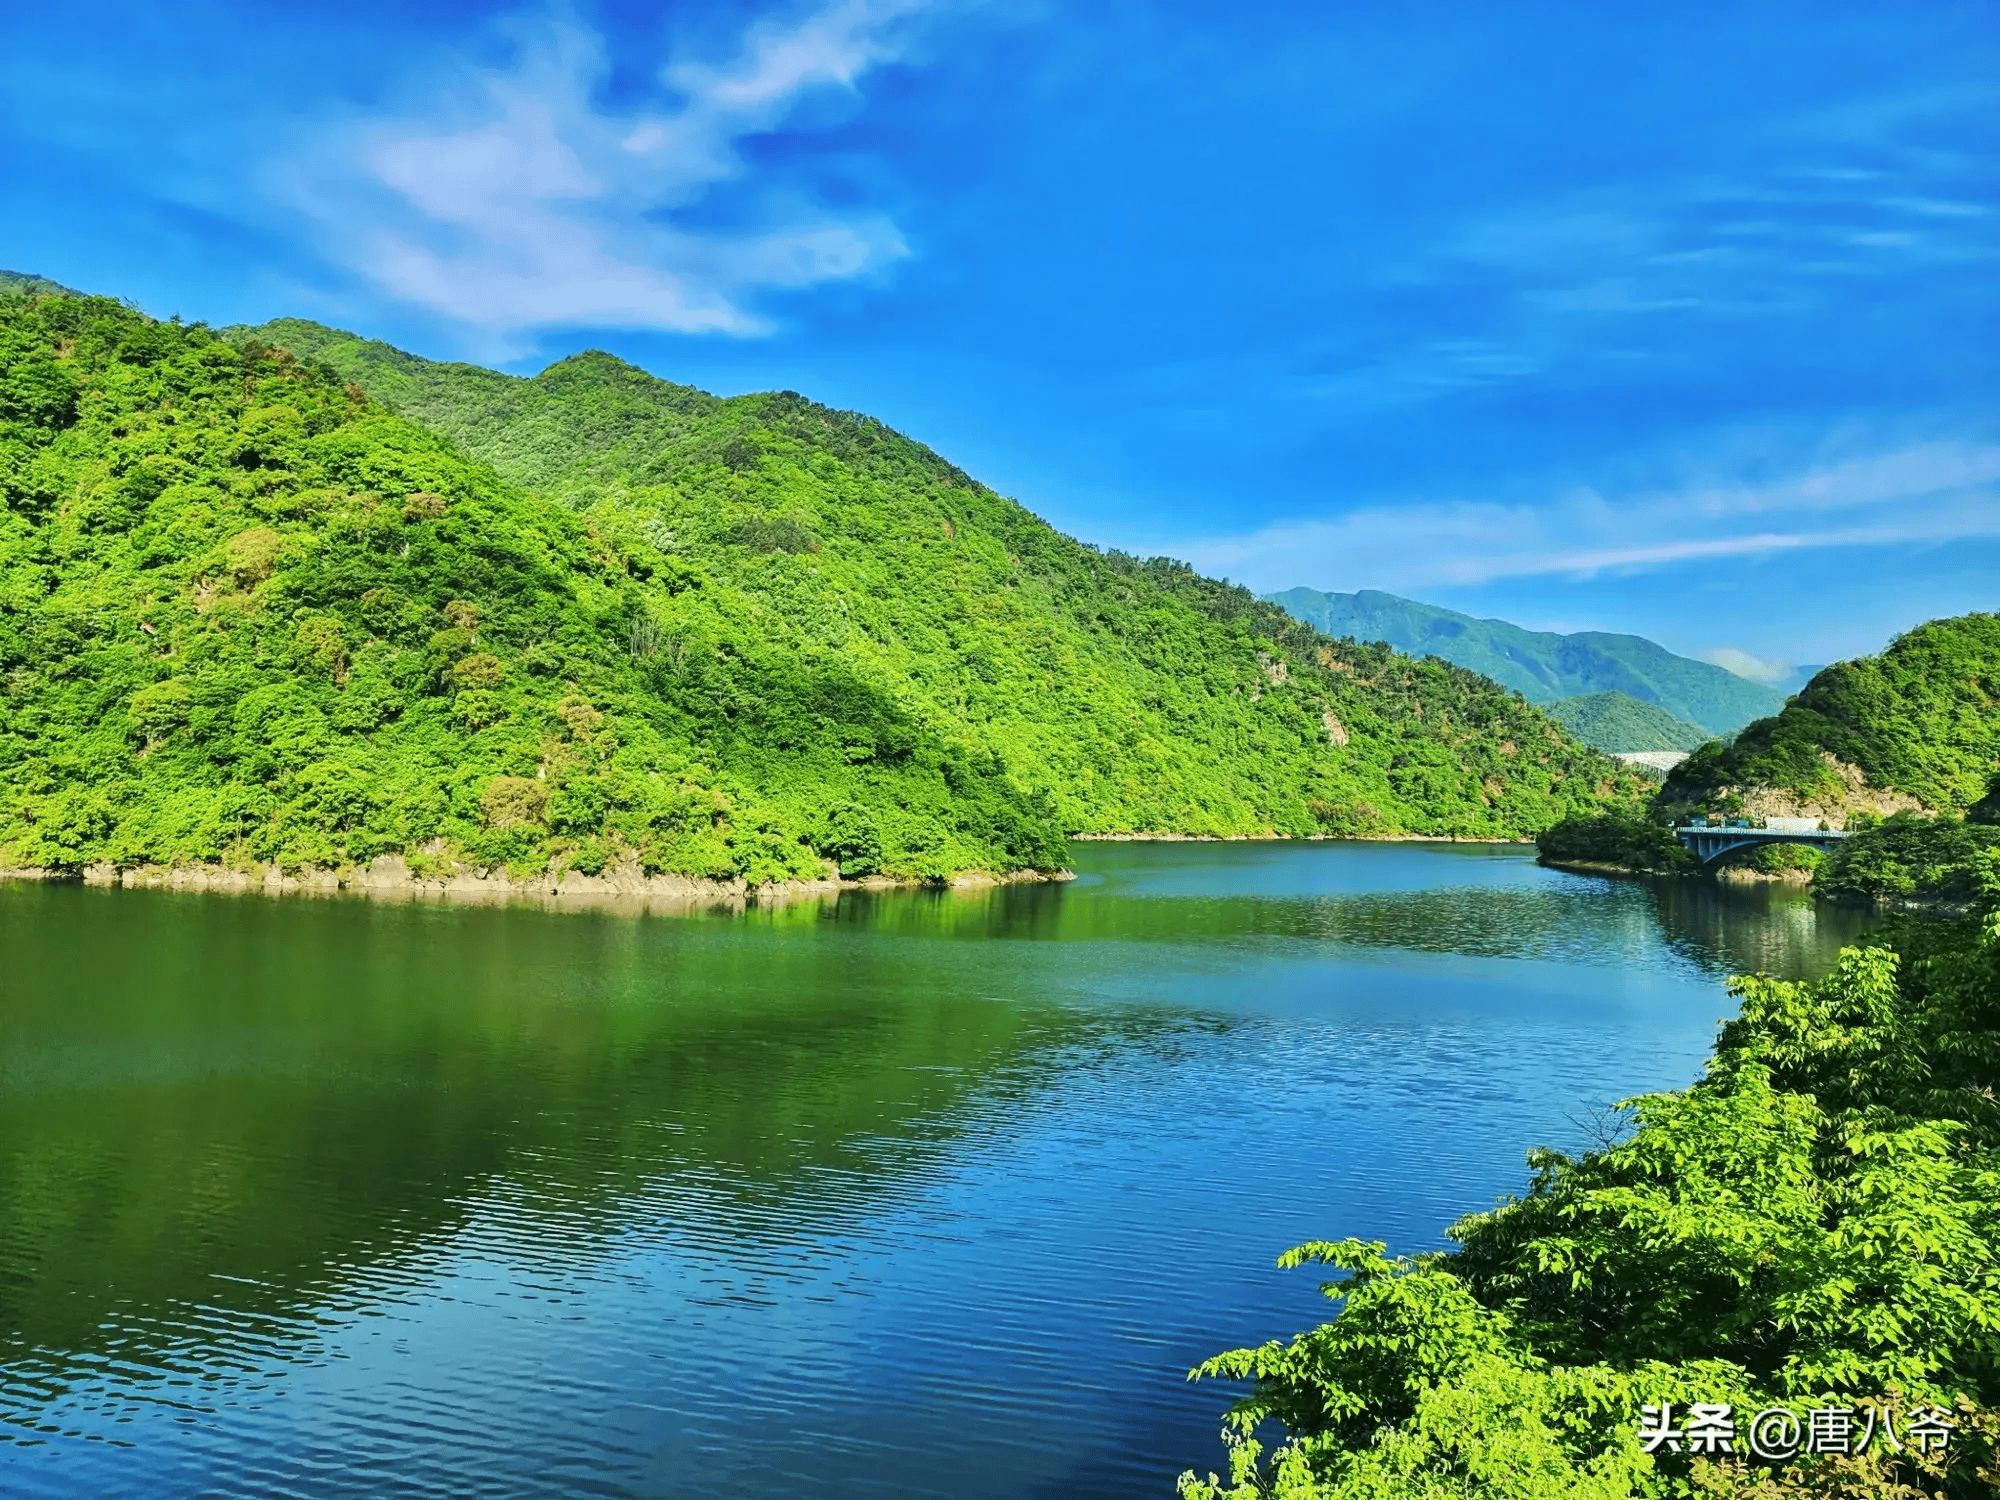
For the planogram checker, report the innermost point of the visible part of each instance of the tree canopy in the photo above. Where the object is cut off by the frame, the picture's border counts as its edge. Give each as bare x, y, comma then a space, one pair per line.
1813, 1225
250, 613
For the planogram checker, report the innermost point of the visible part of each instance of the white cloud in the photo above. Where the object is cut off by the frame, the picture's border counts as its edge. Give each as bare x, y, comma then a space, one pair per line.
515, 198
1902, 474
1924, 493
1743, 664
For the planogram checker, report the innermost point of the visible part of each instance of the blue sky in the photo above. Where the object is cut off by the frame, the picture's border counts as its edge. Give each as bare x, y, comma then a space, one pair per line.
1677, 320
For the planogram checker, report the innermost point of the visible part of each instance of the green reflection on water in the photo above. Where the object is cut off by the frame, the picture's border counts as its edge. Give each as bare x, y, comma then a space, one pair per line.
250, 1104
199, 1088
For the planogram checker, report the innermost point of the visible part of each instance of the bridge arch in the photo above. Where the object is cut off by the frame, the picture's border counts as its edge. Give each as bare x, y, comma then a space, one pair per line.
1716, 847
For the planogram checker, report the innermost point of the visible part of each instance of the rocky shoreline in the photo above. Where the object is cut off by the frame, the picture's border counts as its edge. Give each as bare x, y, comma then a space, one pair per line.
628, 888
1732, 874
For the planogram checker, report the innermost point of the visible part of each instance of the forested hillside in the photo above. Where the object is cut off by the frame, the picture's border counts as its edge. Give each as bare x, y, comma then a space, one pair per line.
1618, 721
1915, 727
1901, 751
1539, 664
248, 613
27, 282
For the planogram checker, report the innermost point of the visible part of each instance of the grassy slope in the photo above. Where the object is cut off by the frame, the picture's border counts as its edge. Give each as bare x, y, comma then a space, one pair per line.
247, 613
1539, 664
1618, 721
1923, 719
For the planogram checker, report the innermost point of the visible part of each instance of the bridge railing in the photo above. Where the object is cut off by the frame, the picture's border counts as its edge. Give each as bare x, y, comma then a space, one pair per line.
1815, 831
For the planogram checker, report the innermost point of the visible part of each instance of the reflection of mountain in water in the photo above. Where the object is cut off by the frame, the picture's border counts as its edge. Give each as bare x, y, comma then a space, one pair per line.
1754, 929
1564, 918
224, 1122
226, 1101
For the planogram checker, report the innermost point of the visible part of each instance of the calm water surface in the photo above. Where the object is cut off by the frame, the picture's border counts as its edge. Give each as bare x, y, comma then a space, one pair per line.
906, 1195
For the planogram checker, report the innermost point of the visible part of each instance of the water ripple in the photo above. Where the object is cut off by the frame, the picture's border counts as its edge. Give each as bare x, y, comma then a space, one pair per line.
904, 1197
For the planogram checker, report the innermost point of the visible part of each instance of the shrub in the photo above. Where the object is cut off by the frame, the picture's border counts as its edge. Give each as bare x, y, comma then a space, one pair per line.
590, 857
513, 801
1922, 859
253, 555
852, 840
1633, 842
159, 710
1778, 859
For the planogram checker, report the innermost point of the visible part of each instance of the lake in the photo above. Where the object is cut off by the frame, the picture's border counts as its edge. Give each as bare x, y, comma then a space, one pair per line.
908, 1194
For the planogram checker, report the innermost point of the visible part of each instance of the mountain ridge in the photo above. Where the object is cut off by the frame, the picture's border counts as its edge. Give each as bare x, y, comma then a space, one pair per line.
251, 615
1543, 666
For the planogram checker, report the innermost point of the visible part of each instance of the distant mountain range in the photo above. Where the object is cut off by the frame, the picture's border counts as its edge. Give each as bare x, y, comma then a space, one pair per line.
1542, 666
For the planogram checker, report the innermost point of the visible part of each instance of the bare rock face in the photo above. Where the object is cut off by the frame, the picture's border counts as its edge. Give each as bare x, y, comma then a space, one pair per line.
1834, 807
1336, 732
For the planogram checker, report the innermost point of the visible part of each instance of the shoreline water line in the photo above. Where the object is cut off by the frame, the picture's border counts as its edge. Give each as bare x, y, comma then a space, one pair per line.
1882, 904
626, 888
388, 878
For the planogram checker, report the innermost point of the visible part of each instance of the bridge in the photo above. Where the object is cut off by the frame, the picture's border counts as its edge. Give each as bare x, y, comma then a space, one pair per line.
1711, 846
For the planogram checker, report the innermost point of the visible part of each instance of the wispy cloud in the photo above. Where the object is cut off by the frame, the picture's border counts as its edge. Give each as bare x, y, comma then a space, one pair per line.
517, 197
1827, 205
1743, 664
1923, 493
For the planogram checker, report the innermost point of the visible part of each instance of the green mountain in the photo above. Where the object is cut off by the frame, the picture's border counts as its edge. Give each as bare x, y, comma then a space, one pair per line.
1901, 750
251, 613
1541, 665
1915, 727
27, 281
1617, 721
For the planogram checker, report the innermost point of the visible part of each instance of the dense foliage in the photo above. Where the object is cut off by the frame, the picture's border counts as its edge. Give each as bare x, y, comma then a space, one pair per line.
1630, 841
248, 614
1136, 695
1540, 664
1618, 721
1777, 859
1816, 1222
1911, 858
1922, 719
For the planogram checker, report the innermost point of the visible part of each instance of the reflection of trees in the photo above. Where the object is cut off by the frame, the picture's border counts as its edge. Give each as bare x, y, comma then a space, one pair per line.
1727, 929
1741, 928
214, 1100
264, 1106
